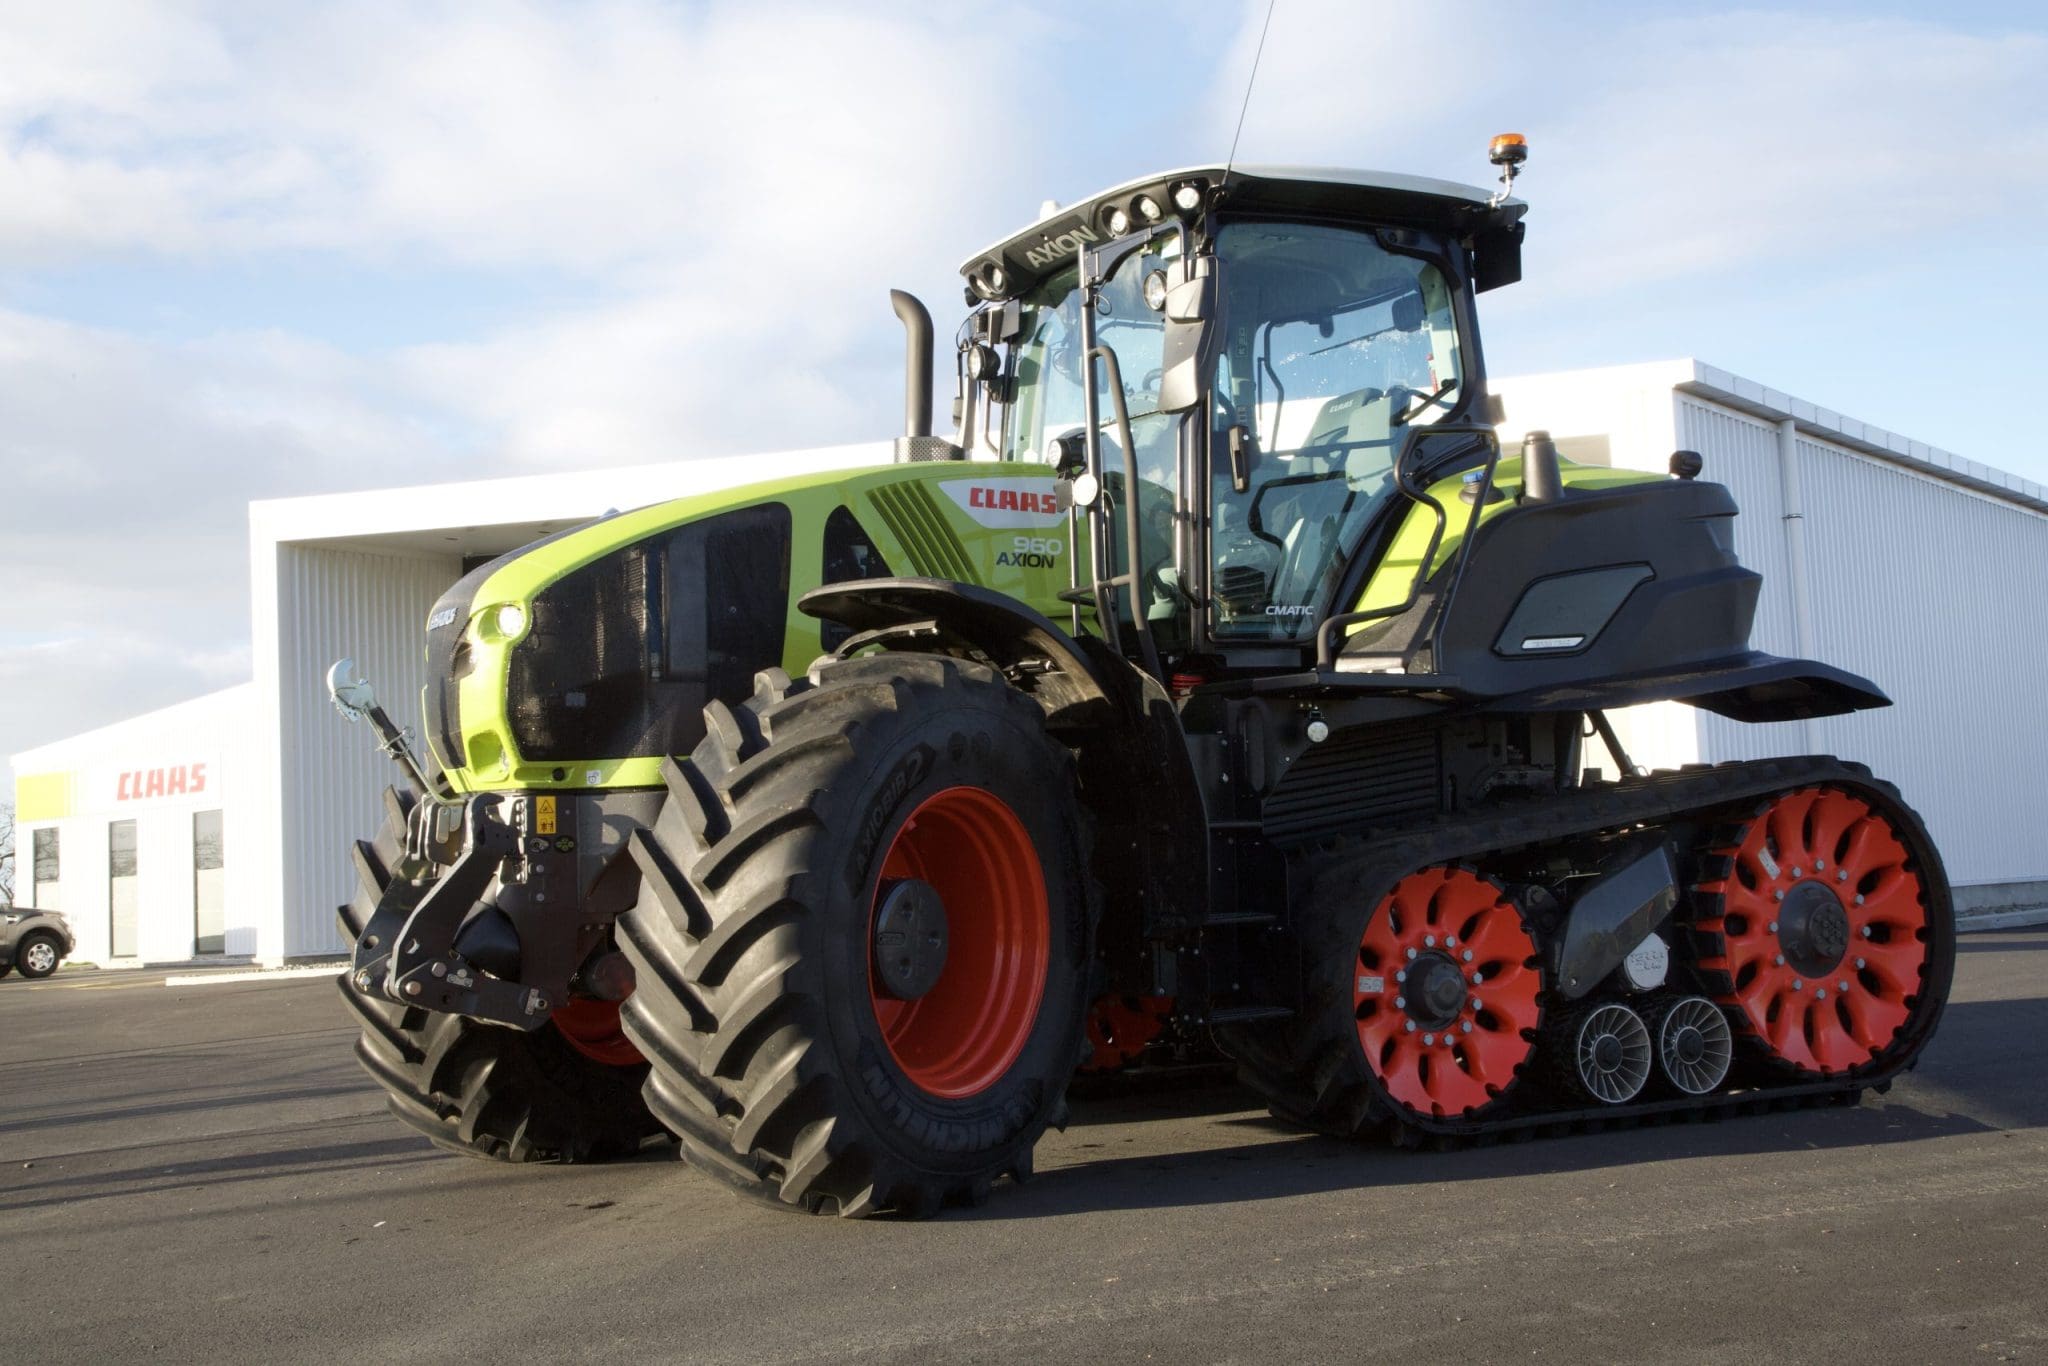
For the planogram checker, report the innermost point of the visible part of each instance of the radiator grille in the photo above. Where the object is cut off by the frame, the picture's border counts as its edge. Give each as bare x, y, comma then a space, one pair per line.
1353, 782
625, 652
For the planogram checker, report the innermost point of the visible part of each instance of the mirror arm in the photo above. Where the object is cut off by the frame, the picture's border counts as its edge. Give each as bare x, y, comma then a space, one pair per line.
392, 743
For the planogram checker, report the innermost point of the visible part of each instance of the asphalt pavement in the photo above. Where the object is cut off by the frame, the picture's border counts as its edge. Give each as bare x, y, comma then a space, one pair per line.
202, 1173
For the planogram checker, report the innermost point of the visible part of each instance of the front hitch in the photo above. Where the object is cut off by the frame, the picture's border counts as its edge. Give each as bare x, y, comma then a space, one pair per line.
407, 950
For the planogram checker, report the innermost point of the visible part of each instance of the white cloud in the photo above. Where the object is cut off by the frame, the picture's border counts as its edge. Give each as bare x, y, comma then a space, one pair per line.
1666, 147
129, 466
92, 680
738, 186
594, 137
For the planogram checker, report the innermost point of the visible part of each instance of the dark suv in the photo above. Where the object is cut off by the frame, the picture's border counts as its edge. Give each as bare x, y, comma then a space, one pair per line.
33, 941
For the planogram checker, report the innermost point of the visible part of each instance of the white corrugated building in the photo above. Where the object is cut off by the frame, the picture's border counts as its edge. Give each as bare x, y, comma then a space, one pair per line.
1922, 571
1893, 559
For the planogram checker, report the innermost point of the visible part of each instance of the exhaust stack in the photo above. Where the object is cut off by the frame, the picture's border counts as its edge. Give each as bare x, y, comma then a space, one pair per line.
1542, 481
917, 441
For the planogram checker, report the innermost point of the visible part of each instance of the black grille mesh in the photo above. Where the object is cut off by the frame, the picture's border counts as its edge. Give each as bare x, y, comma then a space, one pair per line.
624, 653
1354, 782
579, 681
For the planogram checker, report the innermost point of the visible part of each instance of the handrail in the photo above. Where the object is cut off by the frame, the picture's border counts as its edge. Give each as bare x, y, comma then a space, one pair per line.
1140, 620
1411, 440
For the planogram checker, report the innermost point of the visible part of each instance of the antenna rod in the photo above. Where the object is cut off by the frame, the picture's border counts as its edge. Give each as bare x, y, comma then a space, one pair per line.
1249, 82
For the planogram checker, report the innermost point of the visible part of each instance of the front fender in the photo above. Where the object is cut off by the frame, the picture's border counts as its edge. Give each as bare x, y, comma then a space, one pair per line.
1016, 638
1136, 773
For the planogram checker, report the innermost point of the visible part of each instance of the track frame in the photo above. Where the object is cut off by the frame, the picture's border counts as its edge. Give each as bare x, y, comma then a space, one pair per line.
1705, 794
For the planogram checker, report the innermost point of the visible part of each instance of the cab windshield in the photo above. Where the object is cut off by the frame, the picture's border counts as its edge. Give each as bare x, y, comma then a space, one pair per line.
1048, 402
1332, 346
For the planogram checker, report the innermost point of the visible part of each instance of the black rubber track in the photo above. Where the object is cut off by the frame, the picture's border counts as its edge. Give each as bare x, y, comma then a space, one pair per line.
479, 1089
749, 937
1311, 1071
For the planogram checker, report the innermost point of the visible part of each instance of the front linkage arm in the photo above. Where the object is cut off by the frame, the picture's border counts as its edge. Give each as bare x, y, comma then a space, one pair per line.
407, 951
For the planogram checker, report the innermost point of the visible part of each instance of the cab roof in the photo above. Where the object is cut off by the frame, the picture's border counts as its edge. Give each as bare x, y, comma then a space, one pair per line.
1387, 197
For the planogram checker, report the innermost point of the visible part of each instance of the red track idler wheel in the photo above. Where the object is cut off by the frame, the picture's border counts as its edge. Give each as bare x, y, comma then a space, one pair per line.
1122, 1027
1446, 992
592, 1028
1820, 927
960, 936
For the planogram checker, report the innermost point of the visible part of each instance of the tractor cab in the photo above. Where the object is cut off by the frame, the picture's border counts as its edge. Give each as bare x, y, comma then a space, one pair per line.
1226, 368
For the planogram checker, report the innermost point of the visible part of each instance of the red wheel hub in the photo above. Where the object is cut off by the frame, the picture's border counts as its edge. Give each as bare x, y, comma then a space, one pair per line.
958, 1037
1446, 992
592, 1028
1823, 927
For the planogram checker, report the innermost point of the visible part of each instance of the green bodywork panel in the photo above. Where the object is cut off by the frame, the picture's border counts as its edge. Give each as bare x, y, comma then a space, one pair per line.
1397, 573
996, 525
985, 523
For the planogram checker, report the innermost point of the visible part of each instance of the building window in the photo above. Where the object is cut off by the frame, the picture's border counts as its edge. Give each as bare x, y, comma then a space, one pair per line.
121, 890
44, 894
209, 876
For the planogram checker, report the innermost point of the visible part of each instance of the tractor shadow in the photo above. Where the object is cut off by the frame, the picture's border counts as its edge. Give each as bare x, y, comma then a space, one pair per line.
1975, 1078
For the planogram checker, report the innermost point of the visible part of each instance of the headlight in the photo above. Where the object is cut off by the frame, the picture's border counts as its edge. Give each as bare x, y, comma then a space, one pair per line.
504, 622
1155, 291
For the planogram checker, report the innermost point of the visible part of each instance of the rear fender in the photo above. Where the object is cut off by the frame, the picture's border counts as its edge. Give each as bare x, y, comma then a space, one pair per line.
1752, 687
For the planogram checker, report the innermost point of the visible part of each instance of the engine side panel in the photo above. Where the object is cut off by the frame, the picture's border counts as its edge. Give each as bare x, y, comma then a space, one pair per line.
636, 620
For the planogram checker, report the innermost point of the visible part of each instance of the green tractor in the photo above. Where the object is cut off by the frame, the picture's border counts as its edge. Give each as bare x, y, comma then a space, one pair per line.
1221, 683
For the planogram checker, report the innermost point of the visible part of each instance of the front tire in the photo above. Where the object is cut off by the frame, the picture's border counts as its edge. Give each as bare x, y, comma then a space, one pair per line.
790, 1059
38, 955
478, 1089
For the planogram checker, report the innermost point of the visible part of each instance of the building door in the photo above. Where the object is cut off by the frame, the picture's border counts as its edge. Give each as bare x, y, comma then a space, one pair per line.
44, 895
121, 890
209, 903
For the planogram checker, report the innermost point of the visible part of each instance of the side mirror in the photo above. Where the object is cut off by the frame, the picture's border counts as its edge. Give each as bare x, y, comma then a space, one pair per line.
1185, 350
1191, 290
353, 697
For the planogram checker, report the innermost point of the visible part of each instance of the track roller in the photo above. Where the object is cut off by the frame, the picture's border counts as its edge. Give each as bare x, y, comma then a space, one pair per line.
1694, 1045
1603, 1053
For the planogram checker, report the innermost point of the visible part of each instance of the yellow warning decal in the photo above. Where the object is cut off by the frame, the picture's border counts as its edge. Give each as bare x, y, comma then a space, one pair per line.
543, 815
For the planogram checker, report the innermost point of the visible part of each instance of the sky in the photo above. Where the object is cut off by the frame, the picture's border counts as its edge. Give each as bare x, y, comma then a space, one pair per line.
251, 251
